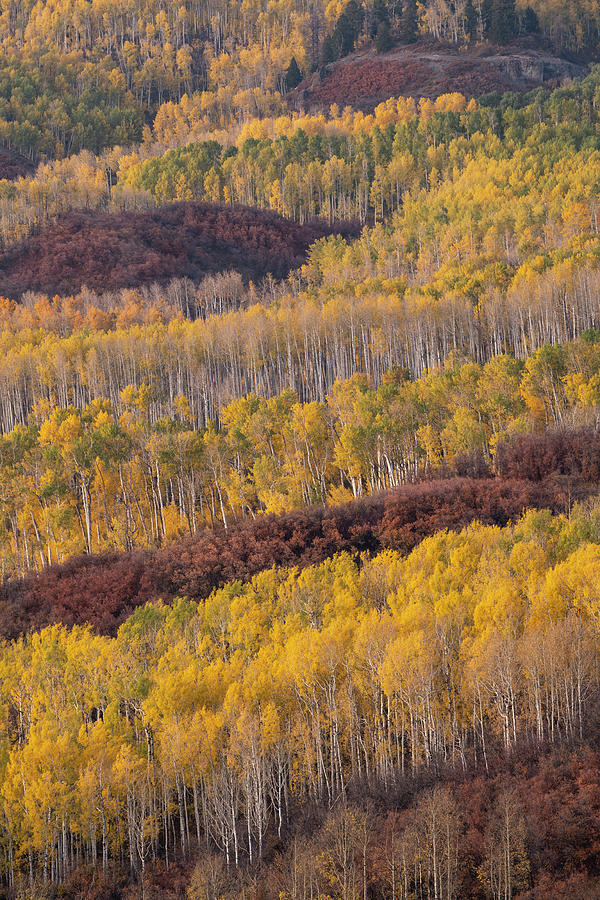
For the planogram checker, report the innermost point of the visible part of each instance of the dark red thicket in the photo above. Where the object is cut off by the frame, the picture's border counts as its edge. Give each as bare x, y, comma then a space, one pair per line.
103, 590
109, 251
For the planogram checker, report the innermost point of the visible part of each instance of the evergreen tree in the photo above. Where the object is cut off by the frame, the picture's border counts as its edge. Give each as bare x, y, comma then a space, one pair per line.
531, 23
328, 50
348, 28
486, 17
379, 14
343, 37
410, 22
503, 25
470, 20
383, 41
293, 75
356, 16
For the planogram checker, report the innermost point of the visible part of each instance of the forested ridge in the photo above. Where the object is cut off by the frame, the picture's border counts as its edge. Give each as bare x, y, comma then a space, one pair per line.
345, 164
102, 590
140, 473
88, 76
299, 450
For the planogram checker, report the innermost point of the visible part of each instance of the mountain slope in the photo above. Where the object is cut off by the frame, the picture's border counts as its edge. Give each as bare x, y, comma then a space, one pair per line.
103, 590
107, 251
366, 78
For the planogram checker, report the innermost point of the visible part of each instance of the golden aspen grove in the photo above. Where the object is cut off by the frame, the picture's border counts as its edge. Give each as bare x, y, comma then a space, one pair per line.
299, 450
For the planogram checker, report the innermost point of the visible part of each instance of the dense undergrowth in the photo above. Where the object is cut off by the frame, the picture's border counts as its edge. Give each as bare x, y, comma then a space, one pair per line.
102, 590
546, 797
106, 252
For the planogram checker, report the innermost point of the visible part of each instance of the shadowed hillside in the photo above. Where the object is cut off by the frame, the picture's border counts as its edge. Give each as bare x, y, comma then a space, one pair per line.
13, 165
109, 251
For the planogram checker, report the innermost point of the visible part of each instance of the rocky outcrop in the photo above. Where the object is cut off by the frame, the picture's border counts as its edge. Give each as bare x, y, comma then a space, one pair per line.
535, 68
366, 78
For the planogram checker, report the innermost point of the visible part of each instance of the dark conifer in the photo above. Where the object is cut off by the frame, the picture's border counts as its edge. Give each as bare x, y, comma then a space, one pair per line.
410, 22
531, 23
383, 41
471, 20
503, 24
293, 75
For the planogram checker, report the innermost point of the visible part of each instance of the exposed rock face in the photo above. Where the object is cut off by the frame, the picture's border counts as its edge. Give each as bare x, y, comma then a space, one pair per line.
531, 67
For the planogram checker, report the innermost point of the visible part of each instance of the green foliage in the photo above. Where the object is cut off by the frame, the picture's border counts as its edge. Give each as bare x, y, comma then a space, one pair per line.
60, 106
293, 75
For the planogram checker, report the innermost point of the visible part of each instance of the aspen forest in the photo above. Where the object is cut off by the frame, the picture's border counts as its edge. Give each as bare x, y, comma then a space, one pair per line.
299, 450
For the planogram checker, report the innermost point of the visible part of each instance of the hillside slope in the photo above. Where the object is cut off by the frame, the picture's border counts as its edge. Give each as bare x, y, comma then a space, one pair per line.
366, 78
107, 251
13, 165
103, 590
563, 848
